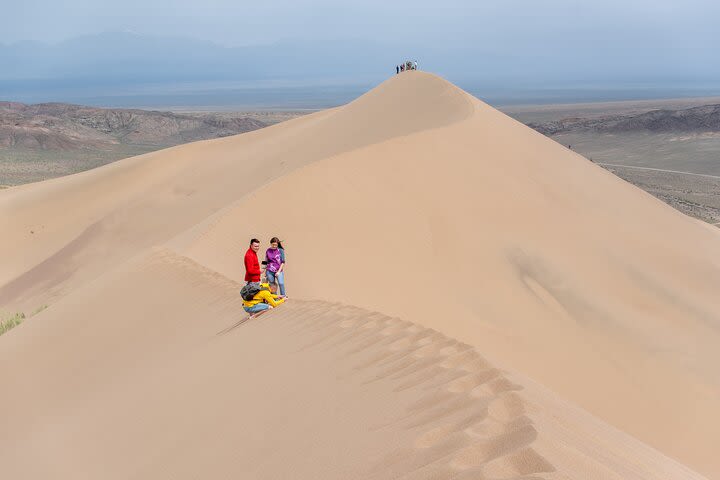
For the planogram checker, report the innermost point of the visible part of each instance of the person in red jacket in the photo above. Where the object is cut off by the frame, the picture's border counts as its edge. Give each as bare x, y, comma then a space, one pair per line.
252, 265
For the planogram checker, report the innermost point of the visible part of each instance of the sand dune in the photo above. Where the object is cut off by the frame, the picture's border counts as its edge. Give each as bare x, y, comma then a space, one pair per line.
125, 207
189, 389
441, 256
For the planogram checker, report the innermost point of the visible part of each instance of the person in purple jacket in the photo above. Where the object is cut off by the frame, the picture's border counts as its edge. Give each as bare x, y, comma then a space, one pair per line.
275, 258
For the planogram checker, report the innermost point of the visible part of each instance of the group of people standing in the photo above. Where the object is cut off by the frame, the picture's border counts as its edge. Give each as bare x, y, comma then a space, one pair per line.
408, 65
262, 293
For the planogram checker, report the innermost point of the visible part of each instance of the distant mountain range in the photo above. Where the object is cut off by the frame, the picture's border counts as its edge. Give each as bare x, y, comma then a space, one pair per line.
49, 140
692, 120
57, 126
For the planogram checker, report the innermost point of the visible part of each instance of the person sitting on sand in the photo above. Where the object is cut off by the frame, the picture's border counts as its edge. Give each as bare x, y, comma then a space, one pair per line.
275, 258
263, 300
252, 266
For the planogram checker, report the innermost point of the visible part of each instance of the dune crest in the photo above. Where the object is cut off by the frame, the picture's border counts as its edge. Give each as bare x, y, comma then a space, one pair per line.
464, 231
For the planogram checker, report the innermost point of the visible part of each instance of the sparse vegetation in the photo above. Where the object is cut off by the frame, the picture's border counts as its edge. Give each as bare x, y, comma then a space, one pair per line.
17, 319
11, 322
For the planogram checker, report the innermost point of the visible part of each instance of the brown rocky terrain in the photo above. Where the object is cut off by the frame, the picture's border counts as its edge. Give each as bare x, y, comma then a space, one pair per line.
49, 140
705, 118
65, 127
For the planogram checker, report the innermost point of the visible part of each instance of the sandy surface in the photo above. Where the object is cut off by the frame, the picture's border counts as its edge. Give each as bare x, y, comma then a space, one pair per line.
445, 262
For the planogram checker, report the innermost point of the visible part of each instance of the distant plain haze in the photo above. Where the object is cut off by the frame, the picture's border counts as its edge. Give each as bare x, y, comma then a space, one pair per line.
313, 54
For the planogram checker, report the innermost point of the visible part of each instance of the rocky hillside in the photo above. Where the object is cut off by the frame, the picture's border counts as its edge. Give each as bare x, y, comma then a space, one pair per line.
58, 126
691, 120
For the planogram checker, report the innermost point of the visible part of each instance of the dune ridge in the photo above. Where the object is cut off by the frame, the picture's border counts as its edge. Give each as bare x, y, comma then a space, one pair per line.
564, 267
462, 229
387, 398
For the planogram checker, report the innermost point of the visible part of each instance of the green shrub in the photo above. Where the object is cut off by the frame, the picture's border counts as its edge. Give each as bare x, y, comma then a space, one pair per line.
11, 322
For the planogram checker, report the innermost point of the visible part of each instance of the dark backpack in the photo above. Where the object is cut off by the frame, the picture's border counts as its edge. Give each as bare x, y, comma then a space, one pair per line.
248, 291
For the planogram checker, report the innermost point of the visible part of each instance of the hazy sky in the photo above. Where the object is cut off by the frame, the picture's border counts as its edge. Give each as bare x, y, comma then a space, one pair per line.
481, 44
498, 25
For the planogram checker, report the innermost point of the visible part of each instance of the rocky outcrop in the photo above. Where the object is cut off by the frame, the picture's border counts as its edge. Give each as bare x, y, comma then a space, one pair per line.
59, 126
692, 120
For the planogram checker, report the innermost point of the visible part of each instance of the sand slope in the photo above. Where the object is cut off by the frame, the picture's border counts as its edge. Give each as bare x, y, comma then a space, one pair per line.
188, 389
556, 269
81, 225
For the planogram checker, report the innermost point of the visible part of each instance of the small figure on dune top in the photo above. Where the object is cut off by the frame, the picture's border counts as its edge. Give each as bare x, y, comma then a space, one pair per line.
252, 265
406, 66
275, 258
